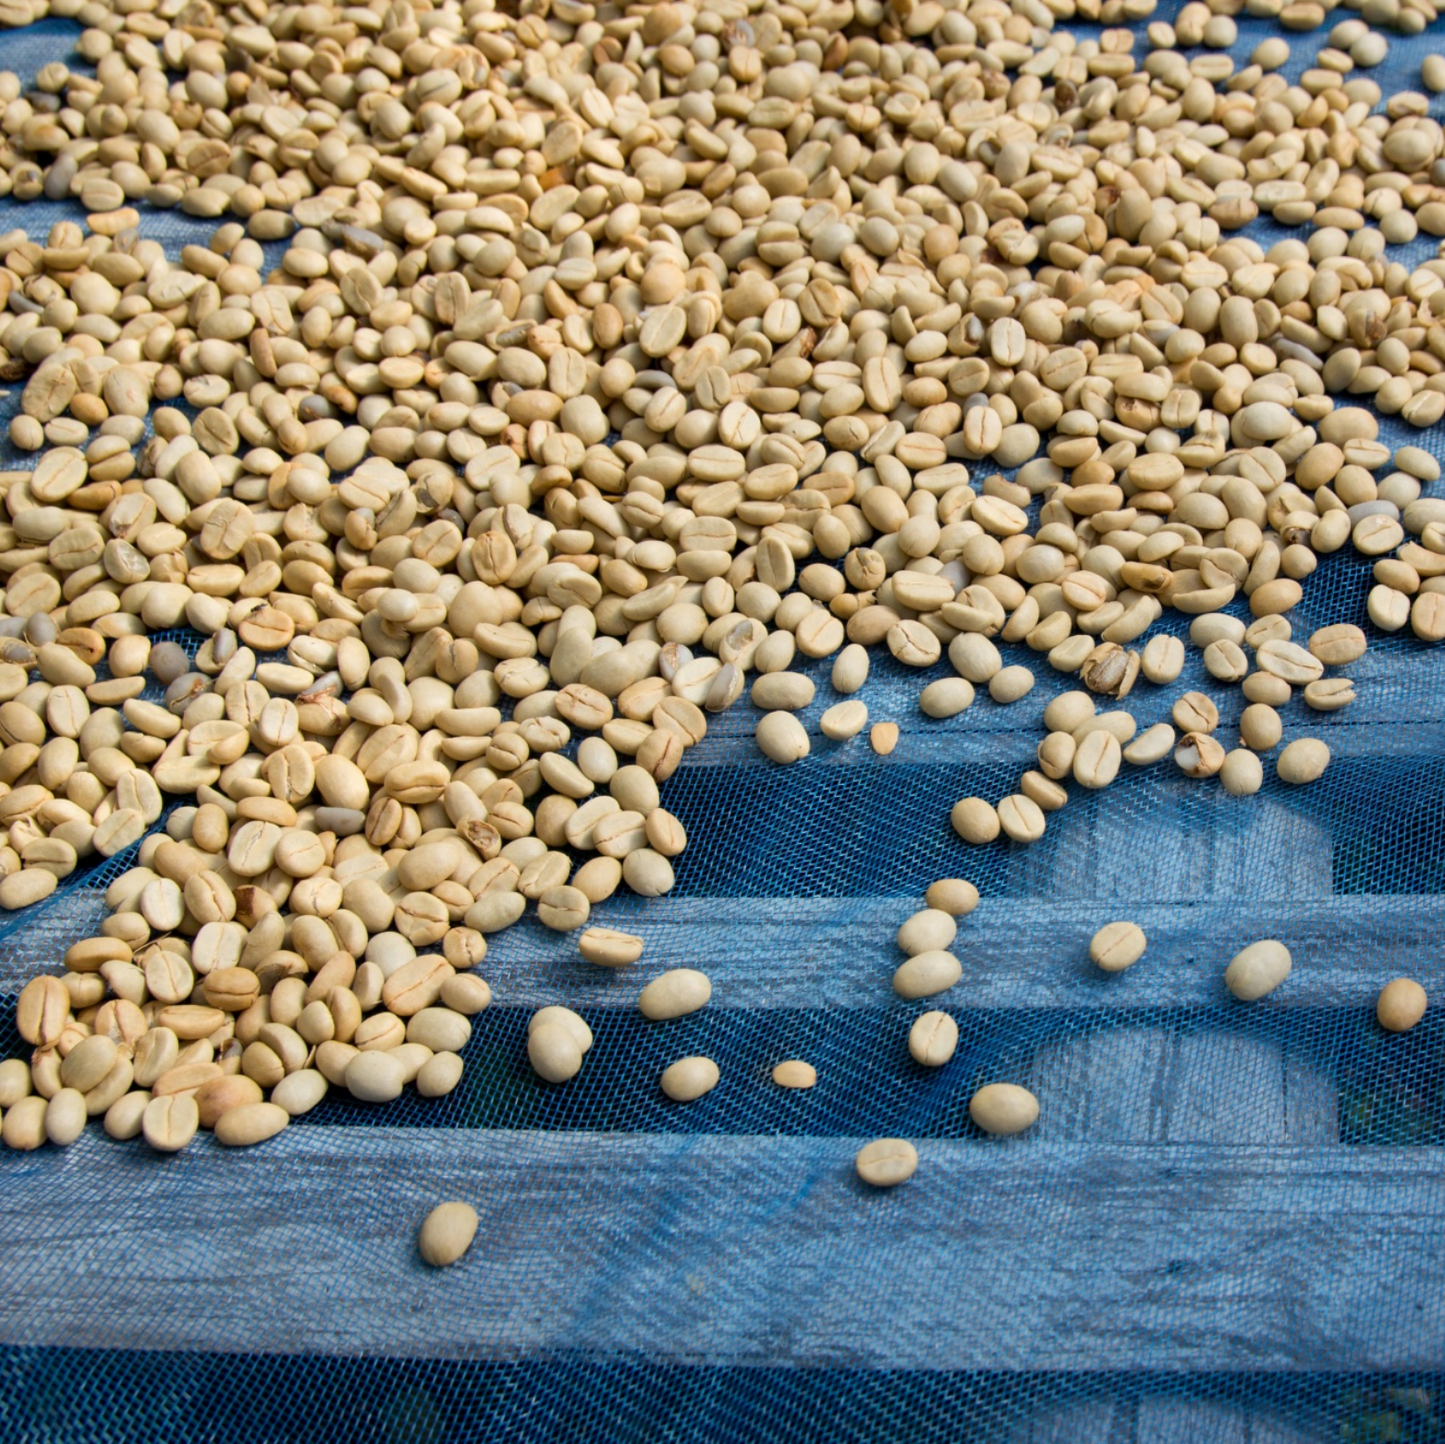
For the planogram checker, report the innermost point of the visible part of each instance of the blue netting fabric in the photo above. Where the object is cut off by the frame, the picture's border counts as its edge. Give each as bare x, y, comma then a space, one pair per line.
1227, 1225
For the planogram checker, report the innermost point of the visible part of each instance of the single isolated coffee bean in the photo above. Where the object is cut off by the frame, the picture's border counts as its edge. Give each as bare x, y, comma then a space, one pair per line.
883, 738
933, 1039
887, 1162
689, 1078
1258, 969
1401, 1005
843, 720
609, 948
675, 994
794, 1073
447, 1233
1117, 946
1003, 1109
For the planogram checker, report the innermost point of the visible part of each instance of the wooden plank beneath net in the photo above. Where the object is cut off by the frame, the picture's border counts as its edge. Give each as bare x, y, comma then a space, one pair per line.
999, 1256
1016, 953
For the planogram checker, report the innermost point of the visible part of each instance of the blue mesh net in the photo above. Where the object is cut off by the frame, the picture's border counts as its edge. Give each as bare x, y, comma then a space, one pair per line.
1226, 1225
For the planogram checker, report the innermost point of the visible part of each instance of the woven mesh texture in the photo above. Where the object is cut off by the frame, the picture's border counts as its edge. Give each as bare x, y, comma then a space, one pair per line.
1227, 1225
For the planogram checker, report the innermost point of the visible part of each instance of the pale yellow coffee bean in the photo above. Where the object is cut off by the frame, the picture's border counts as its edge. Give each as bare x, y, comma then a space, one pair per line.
439, 1075
974, 820
554, 1053
1021, 818
65, 1116
843, 720
1194, 712
794, 1073
1258, 969
1003, 1109
1388, 608
375, 1077
1426, 616
298, 1093
1097, 759
1401, 1004
447, 1232
125, 1118
933, 1039
1009, 684
974, 658
689, 1078
1242, 774
927, 973
252, 1123
1339, 645
24, 1124
1289, 661
88, 1062
674, 994
1152, 745
466, 993
886, 1162
928, 929
23, 889
1329, 694
1068, 711
1225, 661
954, 895
1260, 727
1117, 946
41, 1010
781, 737
782, 691
439, 1029
1303, 760
14, 1082
170, 1122
946, 697
609, 948
850, 669
574, 1023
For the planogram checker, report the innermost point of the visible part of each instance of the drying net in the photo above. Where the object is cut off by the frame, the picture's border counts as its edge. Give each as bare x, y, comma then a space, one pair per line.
1228, 1223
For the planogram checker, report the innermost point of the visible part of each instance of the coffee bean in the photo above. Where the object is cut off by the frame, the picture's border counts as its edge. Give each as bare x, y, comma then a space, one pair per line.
1003, 1109
887, 1162
674, 994
1258, 969
933, 1039
689, 1078
1302, 761
447, 1233
794, 1073
1401, 1005
1117, 946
